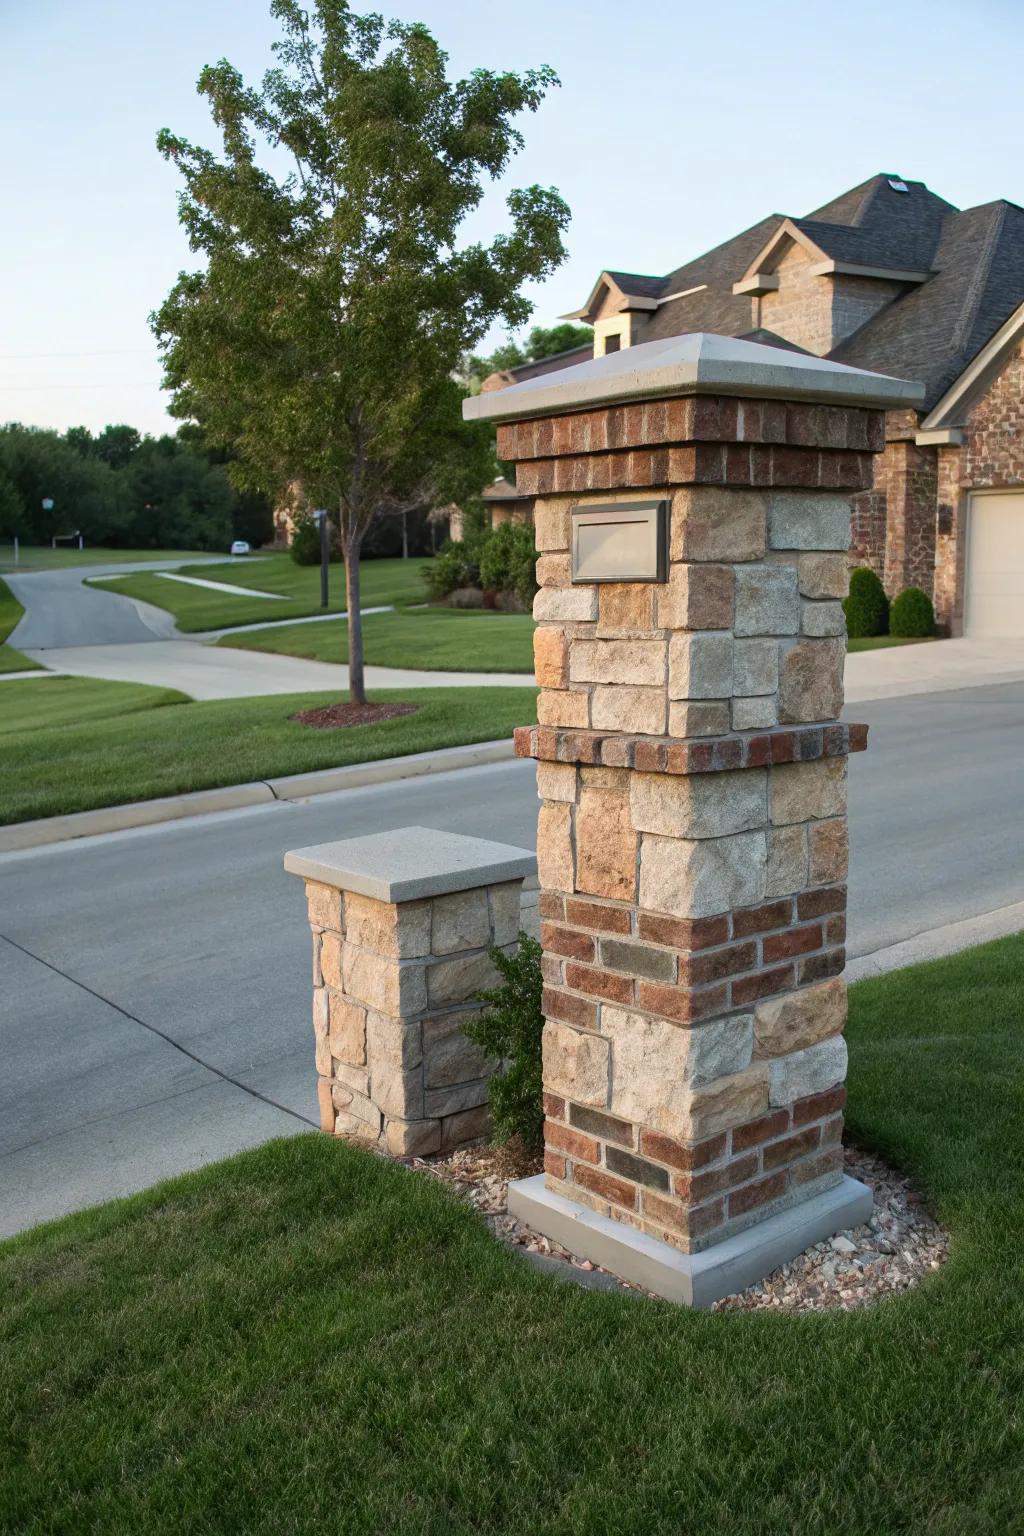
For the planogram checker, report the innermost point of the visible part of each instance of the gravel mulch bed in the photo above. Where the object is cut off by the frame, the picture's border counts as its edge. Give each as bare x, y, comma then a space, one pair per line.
900, 1245
337, 716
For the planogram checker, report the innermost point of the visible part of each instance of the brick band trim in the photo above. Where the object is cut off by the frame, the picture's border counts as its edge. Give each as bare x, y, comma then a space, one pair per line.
720, 754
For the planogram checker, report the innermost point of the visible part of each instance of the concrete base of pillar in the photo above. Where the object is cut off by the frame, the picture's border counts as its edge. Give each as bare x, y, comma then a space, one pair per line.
692, 1279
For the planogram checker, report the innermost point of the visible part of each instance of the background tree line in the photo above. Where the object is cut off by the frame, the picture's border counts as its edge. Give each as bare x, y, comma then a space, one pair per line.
122, 489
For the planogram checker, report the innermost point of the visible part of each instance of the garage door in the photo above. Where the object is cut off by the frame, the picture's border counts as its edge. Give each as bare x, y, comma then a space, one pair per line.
995, 567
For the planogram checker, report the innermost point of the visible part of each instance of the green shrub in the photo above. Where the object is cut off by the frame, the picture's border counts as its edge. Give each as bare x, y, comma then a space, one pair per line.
305, 546
510, 1032
867, 607
508, 561
457, 565
912, 616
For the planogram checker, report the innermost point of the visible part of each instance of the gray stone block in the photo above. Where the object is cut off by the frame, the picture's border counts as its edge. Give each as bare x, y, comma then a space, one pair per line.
817, 521
767, 600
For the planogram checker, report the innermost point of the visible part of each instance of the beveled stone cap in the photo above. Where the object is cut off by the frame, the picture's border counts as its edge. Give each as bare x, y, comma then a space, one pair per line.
698, 363
410, 863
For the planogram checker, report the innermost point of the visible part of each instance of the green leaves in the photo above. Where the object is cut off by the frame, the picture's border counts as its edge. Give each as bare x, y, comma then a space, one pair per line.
510, 1032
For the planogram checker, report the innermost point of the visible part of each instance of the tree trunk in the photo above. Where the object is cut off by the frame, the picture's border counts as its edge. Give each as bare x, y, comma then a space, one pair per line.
356, 684
405, 535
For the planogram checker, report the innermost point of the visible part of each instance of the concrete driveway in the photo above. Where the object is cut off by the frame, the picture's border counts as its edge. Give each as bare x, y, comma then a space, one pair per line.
61, 611
937, 667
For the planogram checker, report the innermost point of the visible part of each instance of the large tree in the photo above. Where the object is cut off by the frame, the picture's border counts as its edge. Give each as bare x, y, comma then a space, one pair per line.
321, 338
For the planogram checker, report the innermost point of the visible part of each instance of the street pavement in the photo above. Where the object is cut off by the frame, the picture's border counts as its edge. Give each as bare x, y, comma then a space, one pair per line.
61, 611
156, 998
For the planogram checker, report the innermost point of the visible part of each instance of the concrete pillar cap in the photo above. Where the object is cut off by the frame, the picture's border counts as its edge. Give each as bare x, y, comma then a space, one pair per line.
410, 863
695, 364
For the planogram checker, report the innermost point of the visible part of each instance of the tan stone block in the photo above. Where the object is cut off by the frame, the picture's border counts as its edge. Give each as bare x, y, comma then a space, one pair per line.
555, 862
449, 1055
625, 608
318, 975
551, 525
709, 523
557, 781
505, 903
346, 1029
412, 1138
702, 878
808, 791
708, 717
701, 805
572, 605
467, 1126
325, 906
397, 1091
454, 1098
550, 657
321, 1047
811, 681
700, 666
636, 663
603, 778
787, 861
724, 1103
564, 707
460, 921
357, 1114
386, 985
829, 851
696, 597
655, 1064
799, 1019
325, 1099
356, 1078
606, 845
824, 575
553, 571
401, 932
332, 950
394, 1042
576, 1064
637, 710
460, 979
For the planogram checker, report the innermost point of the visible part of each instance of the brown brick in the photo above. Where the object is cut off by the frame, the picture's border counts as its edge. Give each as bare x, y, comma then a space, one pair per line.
762, 984
637, 959
617, 1191
607, 1127
554, 1107
569, 1009
552, 905
604, 984
818, 1105
752, 1195
592, 914
783, 747
679, 1003
574, 1144
792, 1147
794, 941
755, 1132
696, 1187
554, 1165
773, 914
683, 932
635, 1168
688, 1221
817, 1167
681, 1154
564, 941
820, 967
821, 903
835, 930
715, 964
551, 969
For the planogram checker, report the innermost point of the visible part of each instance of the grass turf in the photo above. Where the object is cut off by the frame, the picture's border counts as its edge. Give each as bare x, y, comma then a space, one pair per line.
883, 642
10, 612
296, 588
308, 1338
40, 558
441, 639
71, 744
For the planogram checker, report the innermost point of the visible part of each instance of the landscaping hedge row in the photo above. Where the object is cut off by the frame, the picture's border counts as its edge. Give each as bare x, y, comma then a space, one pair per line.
869, 612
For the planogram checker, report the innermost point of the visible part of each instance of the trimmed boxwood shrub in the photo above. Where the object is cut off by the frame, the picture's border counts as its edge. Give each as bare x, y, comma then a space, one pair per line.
912, 616
867, 607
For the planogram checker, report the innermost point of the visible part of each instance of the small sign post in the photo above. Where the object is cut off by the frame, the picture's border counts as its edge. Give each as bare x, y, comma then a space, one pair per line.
325, 556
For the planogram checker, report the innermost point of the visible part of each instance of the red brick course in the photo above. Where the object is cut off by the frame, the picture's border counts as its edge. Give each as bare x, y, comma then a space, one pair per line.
720, 754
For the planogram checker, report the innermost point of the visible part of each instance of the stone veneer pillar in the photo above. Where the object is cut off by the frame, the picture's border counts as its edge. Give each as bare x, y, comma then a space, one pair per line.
692, 838
402, 922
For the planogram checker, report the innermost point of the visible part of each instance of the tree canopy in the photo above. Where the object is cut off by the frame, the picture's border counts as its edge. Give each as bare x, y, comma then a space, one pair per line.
321, 339
543, 341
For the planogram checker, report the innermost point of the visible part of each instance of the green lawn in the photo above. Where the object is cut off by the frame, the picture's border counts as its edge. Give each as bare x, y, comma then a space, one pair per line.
10, 612
883, 642
307, 1338
70, 744
443, 639
295, 587
42, 558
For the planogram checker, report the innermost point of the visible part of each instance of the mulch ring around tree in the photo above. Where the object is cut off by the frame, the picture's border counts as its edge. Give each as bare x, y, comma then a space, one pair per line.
336, 717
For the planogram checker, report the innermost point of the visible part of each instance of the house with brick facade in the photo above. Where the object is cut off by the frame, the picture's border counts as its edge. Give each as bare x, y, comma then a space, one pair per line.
891, 278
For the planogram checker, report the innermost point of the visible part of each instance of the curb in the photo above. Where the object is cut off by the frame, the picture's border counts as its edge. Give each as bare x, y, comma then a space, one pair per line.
205, 802
934, 943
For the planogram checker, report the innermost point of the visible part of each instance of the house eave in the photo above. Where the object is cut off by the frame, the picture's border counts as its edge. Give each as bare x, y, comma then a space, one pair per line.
943, 437
831, 268
955, 403
761, 282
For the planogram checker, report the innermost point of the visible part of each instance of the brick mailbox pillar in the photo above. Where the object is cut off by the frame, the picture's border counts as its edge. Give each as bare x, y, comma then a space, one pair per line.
691, 767
402, 923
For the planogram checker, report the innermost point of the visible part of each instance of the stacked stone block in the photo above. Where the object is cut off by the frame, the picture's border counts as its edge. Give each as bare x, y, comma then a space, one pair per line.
692, 839
394, 984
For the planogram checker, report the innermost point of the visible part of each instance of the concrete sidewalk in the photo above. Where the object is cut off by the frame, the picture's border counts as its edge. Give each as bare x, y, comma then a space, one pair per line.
220, 672
936, 667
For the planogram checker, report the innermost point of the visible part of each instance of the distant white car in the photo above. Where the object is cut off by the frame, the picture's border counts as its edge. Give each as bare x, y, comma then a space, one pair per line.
240, 547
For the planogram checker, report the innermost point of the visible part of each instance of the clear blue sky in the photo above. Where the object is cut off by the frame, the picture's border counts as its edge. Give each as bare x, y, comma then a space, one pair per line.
677, 125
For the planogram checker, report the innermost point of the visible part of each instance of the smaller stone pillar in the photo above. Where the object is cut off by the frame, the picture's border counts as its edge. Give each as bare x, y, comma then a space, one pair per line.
402, 922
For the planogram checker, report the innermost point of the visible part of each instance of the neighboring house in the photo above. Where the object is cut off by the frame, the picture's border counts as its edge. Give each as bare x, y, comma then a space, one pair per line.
892, 278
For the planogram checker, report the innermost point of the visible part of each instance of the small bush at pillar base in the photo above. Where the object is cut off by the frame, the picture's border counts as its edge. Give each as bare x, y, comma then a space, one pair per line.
511, 1031
867, 607
912, 616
